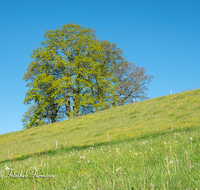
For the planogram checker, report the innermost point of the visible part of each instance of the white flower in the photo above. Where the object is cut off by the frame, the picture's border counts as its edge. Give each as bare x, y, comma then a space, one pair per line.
190, 138
151, 149
164, 142
136, 153
140, 153
166, 158
88, 161
129, 150
171, 162
75, 187
144, 142
118, 169
82, 157
7, 168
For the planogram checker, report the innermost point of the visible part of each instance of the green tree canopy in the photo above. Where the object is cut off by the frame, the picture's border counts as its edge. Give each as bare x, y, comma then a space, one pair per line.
32, 117
77, 73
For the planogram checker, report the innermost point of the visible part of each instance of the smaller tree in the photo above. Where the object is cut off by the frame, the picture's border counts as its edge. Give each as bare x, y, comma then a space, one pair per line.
132, 83
32, 117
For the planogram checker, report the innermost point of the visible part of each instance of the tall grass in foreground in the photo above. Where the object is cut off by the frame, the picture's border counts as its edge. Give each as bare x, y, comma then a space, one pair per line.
168, 161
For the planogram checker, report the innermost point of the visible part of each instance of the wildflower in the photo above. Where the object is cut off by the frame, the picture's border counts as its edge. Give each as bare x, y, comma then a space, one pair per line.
144, 142
164, 142
136, 153
190, 138
140, 153
185, 152
118, 169
166, 158
7, 168
88, 161
151, 149
129, 150
171, 162
82, 157
75, 187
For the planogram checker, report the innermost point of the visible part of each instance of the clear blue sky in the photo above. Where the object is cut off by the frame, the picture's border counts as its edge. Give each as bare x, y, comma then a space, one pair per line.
161, 35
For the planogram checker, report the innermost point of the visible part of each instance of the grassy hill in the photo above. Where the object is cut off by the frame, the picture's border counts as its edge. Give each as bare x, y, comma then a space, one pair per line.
142, 152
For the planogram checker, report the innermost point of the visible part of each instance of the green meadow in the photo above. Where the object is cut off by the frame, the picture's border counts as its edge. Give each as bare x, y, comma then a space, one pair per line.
153, 144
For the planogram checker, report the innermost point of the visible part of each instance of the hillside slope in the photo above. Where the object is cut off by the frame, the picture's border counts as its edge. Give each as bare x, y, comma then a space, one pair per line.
130, 121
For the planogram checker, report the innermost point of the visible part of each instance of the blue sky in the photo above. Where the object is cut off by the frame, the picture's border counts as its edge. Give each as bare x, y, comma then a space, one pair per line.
163, 36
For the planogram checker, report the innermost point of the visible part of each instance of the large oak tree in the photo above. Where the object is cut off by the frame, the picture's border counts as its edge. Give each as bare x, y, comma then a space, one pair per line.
75, 72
